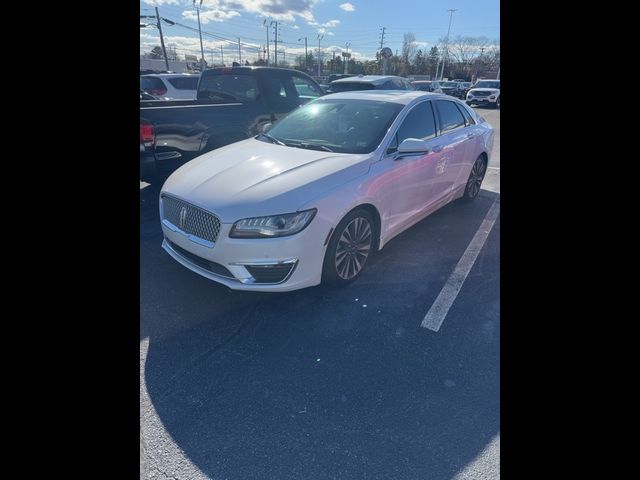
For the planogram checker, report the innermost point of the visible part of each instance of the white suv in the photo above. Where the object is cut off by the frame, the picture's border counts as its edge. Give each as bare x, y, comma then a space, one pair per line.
485, 92
171, 86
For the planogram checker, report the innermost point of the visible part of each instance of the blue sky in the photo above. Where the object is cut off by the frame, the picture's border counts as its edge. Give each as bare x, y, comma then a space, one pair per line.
356, 21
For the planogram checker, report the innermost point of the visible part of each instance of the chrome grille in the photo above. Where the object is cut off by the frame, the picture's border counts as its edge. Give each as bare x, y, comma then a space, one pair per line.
481, 94
197, 222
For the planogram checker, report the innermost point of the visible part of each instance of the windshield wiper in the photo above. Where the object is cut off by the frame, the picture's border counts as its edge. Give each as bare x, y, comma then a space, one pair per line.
273, 139
310, 146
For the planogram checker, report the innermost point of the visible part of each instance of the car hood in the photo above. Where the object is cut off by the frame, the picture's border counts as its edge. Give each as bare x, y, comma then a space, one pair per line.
490, 90
255, 178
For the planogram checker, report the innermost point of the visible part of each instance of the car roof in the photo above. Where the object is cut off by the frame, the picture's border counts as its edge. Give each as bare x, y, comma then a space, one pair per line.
403, 97
170, 75
423, 81
373, 79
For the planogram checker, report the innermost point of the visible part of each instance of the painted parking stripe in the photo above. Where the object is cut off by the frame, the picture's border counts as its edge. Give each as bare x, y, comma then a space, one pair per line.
438, 311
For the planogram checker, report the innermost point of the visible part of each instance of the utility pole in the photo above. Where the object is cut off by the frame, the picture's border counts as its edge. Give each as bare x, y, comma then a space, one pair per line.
381, 44
446, 54
222, 54
276, 43
264, 23
239, 52
305, 52
284, 56
164, 50
320, 37
382, 37
200, 32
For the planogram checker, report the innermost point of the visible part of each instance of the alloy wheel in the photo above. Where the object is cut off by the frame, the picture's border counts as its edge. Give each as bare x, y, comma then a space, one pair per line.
353, 248
475, 178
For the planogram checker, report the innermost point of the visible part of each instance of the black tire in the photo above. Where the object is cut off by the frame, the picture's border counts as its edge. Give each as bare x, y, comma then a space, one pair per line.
476, 176
469, 103
349, 248
497, 105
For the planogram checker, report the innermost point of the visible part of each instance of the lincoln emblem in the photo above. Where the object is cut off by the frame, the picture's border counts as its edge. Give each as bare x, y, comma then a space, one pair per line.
183, 217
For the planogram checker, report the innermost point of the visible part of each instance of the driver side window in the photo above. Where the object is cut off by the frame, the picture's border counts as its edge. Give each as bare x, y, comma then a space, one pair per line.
419, 123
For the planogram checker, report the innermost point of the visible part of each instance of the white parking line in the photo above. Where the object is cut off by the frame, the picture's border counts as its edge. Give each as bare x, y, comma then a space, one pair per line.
493, 168
438, 311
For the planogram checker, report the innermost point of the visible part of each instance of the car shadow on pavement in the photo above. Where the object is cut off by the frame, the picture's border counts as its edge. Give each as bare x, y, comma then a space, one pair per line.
318, 384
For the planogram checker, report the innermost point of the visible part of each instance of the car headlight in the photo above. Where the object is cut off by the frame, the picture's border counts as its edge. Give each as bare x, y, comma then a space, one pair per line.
470, 95
492, 96
274, 226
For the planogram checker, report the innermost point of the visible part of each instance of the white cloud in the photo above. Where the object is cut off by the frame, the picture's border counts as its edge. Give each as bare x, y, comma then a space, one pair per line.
157, 3
329, 24
295, 27
347, 7
275, 9
207, 16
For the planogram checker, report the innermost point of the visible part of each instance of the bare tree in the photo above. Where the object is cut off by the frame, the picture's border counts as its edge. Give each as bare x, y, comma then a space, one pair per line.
465, 49
408, 48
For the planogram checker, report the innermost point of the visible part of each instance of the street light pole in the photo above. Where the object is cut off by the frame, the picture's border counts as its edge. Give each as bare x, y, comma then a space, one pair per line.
200, 32
346, 59
446, 55
305, 52
320, 37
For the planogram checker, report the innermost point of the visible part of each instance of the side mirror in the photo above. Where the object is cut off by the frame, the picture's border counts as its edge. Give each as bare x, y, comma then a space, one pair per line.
413, 146
266, 127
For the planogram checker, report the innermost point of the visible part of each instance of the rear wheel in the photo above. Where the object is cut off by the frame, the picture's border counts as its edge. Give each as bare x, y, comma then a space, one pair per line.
349, 248
476, 176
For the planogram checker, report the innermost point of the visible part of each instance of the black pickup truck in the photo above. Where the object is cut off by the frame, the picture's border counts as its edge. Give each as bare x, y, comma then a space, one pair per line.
231, 104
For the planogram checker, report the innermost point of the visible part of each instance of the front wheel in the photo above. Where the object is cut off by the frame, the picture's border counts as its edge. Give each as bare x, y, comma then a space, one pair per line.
475, 179
498, 102
349, 248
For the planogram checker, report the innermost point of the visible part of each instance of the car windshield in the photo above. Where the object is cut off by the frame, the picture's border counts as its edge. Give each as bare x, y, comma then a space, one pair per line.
342, 126
487, 85
449, 84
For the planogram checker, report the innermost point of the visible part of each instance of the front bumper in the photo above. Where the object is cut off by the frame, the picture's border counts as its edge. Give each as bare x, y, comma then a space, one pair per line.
481, 100
246, 263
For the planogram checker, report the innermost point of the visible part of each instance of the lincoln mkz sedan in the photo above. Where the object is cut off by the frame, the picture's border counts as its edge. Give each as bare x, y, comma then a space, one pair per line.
310, 198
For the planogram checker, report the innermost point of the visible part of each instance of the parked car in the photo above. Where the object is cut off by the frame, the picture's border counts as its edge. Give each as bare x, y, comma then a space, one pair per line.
485, 92
232, 104
338, 76
145, 96
370, 82
427, 86
170, 86
466, 86
310, 198
454, 89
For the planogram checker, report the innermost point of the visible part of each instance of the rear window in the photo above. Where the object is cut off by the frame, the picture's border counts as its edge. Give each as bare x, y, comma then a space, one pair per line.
350, 86
184, 83
151, 83
238, 88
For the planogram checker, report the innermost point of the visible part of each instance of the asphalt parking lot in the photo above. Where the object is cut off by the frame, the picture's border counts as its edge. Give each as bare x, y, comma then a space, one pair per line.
328, 383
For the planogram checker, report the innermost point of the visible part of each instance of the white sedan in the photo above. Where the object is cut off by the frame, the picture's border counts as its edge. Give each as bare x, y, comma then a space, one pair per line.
313, 196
